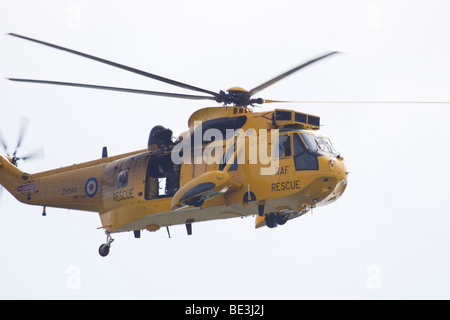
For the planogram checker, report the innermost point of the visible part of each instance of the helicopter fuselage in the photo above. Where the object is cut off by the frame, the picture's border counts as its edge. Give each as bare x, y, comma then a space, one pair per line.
231, 163
139, 190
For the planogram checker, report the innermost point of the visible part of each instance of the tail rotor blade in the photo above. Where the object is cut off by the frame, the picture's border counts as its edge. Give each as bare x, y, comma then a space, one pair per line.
15, 156
23, 128
3, 144
37, 154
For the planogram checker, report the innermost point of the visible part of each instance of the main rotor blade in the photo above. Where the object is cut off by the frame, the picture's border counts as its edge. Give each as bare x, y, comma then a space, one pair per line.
91, 86
287, 73
364, 102
120, 66
277, 101
357, 102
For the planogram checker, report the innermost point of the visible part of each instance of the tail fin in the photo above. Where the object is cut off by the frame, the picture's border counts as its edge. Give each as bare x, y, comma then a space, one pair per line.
17, 182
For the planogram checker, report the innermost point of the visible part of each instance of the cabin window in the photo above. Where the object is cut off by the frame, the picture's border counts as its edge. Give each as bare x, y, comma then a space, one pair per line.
228, 154
162, 187
162, 177
122, 178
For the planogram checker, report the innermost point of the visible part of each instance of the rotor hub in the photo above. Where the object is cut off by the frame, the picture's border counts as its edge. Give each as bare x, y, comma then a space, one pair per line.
237, 89
237, 96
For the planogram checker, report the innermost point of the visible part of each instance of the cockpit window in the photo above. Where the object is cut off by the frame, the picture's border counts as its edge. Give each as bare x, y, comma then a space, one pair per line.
304, 159
284, 146
330, 146
318, 143
310, 141
321, 144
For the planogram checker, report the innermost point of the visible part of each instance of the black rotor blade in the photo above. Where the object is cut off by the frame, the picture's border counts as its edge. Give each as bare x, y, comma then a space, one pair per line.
120, 66
362, 102
287, 73
3, 143
91, 86
37, 154
23, 128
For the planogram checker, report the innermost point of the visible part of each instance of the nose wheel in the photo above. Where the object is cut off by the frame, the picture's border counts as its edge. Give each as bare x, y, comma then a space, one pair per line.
103, 250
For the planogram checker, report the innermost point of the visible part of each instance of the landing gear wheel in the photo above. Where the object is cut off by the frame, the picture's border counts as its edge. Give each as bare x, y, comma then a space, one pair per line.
271, 220
103, 250
196, 202
281, 219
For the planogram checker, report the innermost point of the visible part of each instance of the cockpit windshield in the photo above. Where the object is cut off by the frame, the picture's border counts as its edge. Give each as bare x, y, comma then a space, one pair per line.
309, 141
321, 144
330, 146
318, 143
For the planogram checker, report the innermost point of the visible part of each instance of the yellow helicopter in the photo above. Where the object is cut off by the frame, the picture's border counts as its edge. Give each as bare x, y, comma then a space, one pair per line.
231, 162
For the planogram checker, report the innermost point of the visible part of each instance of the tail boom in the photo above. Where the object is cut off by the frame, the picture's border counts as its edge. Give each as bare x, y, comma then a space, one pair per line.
48, 188
14, 180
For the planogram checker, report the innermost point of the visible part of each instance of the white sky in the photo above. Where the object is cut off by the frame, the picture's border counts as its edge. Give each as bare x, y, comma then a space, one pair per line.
387, 237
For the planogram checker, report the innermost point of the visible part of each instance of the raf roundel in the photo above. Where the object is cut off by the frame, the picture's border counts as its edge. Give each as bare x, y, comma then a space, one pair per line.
91, 187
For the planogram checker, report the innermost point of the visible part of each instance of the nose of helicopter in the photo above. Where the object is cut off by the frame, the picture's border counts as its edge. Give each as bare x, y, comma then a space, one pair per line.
335, 181
329, 185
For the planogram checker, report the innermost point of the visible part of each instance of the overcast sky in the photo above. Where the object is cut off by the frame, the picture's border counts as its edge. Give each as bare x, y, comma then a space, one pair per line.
386, 238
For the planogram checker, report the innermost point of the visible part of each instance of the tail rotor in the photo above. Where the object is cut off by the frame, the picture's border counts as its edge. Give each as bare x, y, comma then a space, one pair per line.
16, 156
